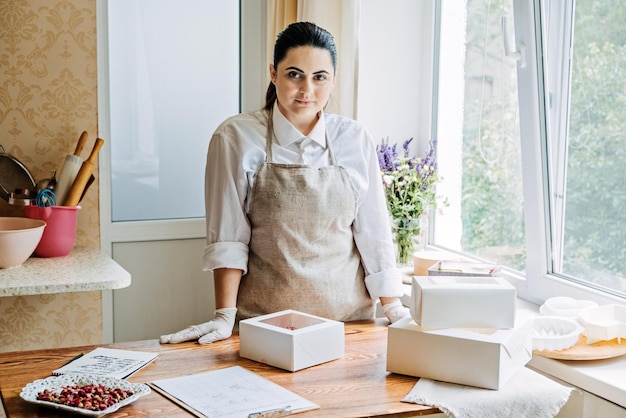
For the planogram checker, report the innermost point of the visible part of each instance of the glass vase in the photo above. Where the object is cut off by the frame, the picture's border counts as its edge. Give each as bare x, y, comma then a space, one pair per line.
421, 240
407, 233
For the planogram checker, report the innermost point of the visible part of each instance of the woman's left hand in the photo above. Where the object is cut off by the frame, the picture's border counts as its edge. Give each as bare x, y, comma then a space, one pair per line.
395, 311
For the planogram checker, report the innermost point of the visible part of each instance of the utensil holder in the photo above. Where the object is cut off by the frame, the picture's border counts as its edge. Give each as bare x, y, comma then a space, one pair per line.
59, 235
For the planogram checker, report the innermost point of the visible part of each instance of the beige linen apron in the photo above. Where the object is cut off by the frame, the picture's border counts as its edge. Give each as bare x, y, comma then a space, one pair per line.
302, 252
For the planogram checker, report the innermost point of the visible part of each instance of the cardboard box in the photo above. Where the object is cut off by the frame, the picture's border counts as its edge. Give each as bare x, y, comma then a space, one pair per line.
463, 302
291, 340
464, 268
474, 357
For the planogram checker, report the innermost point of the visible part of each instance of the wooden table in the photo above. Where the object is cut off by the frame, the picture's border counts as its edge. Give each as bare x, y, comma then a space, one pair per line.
356, 385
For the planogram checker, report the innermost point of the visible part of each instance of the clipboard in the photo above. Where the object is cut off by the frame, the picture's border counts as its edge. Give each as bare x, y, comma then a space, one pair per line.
231, 392
175, 400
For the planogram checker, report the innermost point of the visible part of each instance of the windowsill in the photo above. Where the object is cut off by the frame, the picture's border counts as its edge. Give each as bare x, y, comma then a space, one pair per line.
603, 378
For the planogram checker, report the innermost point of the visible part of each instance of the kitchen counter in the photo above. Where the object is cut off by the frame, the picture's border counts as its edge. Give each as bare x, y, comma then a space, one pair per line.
355, 385
84, 269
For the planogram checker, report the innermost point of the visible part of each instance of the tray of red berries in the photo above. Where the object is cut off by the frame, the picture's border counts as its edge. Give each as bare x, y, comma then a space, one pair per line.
94, 396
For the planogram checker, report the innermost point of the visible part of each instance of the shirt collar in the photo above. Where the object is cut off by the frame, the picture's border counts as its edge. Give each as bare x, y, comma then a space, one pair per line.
287, 134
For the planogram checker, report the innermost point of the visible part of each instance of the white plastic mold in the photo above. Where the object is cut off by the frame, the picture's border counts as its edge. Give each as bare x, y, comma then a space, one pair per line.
553, 333
604, 323
565, 306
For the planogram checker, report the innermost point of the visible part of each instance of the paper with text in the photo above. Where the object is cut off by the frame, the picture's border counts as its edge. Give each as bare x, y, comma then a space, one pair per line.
108, 362
233, 392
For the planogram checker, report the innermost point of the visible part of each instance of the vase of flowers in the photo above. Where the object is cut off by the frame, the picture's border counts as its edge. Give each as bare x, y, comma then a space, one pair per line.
410, 189
405, 235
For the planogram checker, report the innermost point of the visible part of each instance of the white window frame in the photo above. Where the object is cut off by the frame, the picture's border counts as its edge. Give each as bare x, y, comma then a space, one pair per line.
538, 156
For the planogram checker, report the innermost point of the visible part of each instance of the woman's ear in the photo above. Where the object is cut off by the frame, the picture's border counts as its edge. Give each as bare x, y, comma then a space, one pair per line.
272, 73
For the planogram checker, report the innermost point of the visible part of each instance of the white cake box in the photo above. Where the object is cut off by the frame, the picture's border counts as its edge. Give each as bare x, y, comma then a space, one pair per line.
291, 340
474, 357
463, 302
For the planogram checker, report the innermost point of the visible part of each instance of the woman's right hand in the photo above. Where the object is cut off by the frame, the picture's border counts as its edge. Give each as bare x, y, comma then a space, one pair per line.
217, 329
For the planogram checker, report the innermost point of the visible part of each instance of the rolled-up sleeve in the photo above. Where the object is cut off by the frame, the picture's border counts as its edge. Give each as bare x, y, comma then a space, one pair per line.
372, 231
227, 226
225, 255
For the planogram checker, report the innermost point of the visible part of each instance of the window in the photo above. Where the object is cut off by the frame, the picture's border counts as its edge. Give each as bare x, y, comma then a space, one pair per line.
587, 158
478, 136
532, 151
173, 77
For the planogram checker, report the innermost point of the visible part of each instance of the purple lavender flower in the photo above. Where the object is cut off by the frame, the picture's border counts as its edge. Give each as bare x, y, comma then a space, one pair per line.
405, 147
387, 156
410, 181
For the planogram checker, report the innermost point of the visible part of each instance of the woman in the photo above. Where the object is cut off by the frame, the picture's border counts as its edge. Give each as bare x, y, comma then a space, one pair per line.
295, 209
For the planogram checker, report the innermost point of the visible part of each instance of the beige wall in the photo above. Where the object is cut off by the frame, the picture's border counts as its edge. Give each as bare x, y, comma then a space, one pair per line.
48, 96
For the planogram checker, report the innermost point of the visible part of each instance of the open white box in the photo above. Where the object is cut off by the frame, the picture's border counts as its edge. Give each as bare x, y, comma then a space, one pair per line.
475, 357
291, 340
463, 302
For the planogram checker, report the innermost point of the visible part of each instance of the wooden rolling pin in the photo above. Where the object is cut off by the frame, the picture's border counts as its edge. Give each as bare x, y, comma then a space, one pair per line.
85, 172
70, 169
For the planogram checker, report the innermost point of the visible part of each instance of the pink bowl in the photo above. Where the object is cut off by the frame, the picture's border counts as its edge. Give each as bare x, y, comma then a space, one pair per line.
60, 234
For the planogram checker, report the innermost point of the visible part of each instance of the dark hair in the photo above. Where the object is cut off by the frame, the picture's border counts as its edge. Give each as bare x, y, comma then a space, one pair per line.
296, 35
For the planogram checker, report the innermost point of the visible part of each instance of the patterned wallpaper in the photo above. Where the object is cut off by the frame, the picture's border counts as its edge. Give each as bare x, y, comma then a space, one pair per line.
48, 96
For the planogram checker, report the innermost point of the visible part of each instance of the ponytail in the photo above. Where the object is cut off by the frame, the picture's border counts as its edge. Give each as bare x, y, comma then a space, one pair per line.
270, 97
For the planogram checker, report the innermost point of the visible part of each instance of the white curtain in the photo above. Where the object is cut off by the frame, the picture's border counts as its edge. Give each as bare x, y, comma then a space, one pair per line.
339, 17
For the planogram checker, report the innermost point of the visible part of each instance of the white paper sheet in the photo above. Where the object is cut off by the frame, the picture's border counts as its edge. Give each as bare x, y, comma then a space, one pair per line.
233, 392
108, 362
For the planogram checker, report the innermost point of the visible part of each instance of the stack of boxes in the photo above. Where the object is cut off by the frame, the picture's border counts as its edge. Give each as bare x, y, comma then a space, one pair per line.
462, 329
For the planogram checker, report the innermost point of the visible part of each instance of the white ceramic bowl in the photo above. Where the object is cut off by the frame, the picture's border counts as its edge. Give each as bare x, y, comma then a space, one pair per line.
18, 239
555, 333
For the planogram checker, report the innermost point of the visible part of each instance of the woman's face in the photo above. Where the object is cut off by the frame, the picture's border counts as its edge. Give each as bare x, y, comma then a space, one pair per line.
304, 80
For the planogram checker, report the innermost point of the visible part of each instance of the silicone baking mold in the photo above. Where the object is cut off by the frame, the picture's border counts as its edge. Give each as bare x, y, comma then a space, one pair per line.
555, 333
604, 323
565, 306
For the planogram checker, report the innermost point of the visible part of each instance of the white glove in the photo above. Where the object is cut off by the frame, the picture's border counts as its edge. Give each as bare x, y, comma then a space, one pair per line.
395, 311
218, 329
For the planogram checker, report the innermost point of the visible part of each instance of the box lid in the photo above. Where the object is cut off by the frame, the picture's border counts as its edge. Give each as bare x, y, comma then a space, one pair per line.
462, 282
462, 302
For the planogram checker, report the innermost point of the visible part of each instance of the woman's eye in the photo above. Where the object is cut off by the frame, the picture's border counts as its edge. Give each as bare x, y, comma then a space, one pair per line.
320, 77
294, 74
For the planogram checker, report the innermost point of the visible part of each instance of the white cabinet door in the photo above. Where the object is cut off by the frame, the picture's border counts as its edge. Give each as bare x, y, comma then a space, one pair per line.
169, 290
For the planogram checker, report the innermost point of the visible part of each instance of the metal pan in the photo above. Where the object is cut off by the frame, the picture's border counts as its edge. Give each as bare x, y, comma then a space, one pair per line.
13, 175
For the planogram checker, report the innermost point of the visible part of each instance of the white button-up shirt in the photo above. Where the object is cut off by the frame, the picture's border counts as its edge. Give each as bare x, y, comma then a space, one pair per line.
237, 149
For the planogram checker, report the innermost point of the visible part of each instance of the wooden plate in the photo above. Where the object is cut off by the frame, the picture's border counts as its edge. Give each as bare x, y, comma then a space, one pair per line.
583, 351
